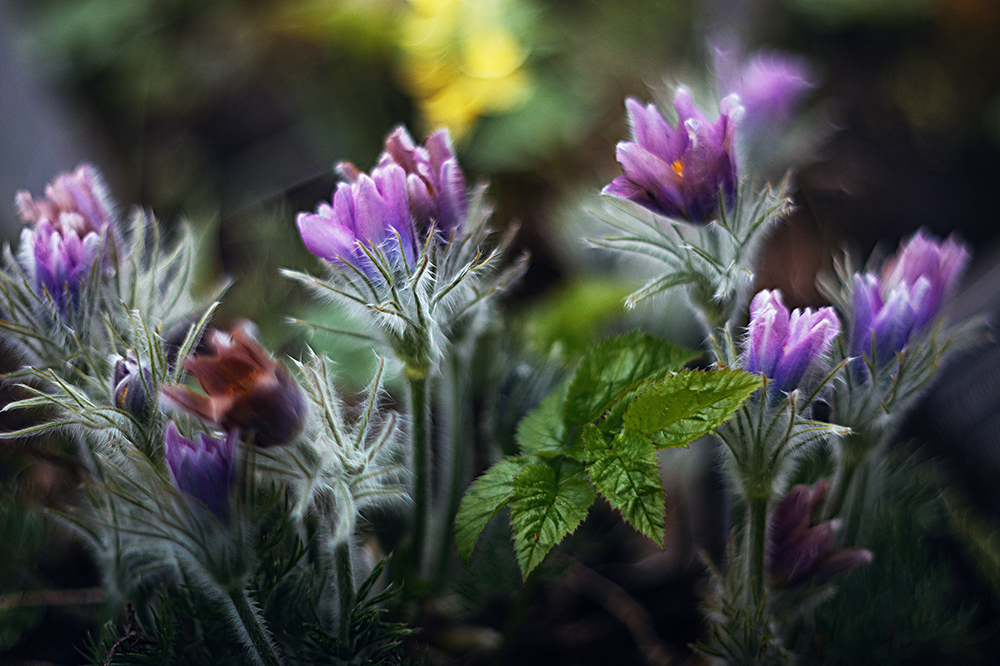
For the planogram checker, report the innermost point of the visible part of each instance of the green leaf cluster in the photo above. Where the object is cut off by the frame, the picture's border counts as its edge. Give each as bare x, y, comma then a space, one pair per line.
598, 432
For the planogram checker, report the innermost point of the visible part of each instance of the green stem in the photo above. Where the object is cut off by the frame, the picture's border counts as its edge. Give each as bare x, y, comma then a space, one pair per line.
457, 477
853, 519
842, 484
345, 587
757, 543
419, 409
254, 624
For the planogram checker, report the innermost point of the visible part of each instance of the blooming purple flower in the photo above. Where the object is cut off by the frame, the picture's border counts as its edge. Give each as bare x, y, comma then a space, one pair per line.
435, 184
800, 551
65, 235
245, 389
369, 210
891, 308
770, 85
202, 469
679, 171
784, 346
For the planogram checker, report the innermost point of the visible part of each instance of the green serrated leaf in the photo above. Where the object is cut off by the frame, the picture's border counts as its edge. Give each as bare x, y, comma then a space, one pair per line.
615, 366
544, 433
685, 406
626, 472
484, 498
544, 508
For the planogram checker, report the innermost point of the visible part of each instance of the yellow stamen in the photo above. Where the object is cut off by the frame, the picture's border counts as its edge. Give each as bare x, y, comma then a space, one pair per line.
677, 167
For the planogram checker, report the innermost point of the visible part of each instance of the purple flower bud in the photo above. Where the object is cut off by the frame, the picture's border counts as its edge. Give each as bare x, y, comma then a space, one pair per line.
679, 171
133, 385
202, 469
784, 346
245, 390
770, 85
435, 184
67, 231
914, 284
369, 210
799, 550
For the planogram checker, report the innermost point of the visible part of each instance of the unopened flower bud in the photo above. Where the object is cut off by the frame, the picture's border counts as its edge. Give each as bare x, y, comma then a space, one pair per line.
784, 346
202, 469
133, 386
800, 551
245, 389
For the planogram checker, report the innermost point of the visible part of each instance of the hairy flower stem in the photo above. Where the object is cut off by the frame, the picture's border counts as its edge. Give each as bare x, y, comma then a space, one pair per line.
345, 588
757, 543
419, 411
458, 385
853, 519
253, 623
841, 487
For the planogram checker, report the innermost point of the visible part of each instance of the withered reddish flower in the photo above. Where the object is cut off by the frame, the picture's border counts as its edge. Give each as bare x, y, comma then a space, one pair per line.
245, 389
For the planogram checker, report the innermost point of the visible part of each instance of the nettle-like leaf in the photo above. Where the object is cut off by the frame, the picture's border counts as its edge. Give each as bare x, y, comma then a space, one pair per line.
615, 366
543, 432
483, 500
545, 506
685, 406
626, 472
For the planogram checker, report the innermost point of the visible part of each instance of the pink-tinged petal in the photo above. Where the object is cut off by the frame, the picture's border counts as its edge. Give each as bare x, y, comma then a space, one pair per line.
798, 558
399, 147
791, 515
653, 175
454, 202
439, 150
841, 561
652, 132
420, 200
325, 238
348, 171
767, 333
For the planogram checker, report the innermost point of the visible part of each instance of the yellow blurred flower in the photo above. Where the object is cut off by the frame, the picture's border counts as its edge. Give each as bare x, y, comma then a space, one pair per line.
461, 61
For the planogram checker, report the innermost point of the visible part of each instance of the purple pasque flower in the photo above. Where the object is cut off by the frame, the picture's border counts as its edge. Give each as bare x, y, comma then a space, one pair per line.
800, 551
889, 309
784, 346
679, 171
66, 233
370, 210
202, 469
435, 184
770, 85
75, 203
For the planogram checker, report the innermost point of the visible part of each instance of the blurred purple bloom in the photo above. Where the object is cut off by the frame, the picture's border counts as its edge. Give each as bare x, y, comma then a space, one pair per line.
76, 203
770, 85
435, 184
133, 384
799, 550
66, 233
784, 346
202, 469
679, 171
245, 389
891, 308
369, 210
